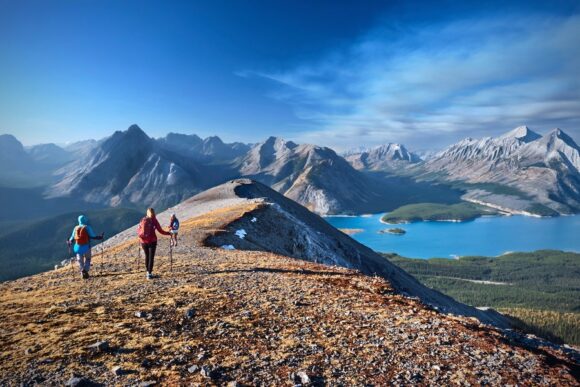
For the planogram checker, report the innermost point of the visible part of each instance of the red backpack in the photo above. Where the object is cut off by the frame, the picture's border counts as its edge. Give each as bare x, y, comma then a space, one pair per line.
81, 235
146, 228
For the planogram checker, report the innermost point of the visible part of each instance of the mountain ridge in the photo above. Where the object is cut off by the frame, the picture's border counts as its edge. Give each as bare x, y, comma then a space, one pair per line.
520, 172
543, 168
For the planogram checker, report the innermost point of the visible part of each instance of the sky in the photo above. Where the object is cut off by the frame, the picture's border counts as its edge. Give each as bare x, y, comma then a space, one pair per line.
335, 73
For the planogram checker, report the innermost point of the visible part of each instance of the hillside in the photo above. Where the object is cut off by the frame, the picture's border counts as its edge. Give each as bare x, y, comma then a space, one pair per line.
249, 317
520, 171
37, 246
542, 288
314, 176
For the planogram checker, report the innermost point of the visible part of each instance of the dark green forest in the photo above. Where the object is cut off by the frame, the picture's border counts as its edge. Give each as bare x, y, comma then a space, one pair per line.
540, 288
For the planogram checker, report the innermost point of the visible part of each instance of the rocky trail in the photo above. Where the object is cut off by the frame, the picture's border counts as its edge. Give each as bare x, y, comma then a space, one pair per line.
246, 318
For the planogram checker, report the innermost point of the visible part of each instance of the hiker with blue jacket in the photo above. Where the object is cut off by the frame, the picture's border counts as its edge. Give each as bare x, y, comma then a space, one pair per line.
82, 235
173, 229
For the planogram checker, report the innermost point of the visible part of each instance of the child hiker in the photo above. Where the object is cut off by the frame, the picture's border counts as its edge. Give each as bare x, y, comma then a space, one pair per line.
173, 229
82, 235
148, 238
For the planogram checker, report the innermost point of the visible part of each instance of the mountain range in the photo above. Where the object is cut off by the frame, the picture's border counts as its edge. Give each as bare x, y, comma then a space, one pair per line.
388, 157
129, 168
518, 172
521, 171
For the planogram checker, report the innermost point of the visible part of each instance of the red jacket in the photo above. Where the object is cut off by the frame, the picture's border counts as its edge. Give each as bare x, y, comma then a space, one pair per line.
153, 238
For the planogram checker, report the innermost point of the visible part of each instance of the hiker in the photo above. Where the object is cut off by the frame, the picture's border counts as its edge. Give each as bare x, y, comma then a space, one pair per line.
82, 235
174, 228
148, 238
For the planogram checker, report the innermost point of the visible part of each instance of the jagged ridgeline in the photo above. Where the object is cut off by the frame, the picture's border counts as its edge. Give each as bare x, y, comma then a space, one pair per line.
260, 291
519, 172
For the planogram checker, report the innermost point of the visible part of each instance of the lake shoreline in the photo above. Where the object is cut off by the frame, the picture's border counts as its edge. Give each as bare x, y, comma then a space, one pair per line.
488, 235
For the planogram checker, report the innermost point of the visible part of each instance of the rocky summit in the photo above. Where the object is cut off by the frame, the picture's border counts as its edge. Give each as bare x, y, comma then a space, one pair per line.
519, 172
256, 293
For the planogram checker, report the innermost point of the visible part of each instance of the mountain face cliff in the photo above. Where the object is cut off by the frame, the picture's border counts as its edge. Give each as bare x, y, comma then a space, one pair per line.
129, 168
257, 311
50, 155
520, 171
387, 157
211, 149
311, 175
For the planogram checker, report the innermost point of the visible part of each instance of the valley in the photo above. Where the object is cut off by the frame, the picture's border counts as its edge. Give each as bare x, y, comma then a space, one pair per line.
540, 288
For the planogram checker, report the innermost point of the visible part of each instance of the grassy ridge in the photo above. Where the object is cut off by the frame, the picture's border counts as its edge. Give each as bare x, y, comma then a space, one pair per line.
541, 288
37, 246
436, 212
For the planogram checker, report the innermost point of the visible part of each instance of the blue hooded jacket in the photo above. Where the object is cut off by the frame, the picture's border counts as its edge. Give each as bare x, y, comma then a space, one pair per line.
82, 249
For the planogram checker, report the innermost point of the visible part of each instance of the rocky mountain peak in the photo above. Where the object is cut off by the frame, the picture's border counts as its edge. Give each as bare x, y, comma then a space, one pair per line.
522, 133
12, 151
559, 134
278, 143
9, 140
389, 156
213, 140
394, 151
134, 128
184, 138
134, 136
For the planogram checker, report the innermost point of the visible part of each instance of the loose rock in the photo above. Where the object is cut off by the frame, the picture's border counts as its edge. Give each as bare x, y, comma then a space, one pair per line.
300, 377
206, 372
190, 313
99, 346
117, 370
77, 381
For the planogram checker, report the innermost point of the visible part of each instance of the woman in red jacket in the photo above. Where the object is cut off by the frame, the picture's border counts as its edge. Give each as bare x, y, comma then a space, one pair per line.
148, 238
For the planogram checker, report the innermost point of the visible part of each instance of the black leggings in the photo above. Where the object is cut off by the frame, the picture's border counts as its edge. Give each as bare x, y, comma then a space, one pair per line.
149, 249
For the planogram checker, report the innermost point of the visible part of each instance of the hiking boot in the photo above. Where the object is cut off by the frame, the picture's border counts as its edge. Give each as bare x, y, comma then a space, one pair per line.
85, 274
149, 275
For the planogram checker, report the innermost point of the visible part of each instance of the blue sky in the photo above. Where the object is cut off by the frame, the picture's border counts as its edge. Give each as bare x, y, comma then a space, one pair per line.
336, 73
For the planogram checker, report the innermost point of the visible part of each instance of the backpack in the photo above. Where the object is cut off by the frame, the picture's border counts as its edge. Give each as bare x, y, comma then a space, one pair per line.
146, 228
175, 224
81, 235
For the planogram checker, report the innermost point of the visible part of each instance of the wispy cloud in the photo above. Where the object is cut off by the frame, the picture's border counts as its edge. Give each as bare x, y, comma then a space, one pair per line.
429, 85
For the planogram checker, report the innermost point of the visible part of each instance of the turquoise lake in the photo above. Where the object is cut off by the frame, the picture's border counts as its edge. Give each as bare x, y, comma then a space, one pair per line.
488, 236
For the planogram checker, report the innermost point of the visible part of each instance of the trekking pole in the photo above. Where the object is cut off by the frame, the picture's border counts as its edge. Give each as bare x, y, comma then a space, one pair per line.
70, 260
138, 257
102, 259
171, 256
